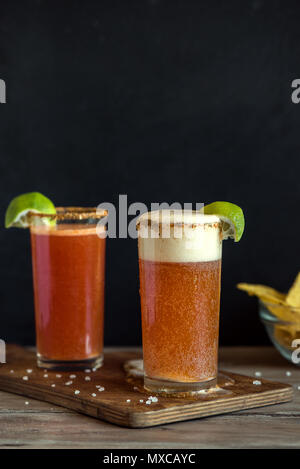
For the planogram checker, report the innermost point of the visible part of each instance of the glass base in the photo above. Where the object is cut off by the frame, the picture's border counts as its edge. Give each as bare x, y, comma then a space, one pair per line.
161, 386
61, 365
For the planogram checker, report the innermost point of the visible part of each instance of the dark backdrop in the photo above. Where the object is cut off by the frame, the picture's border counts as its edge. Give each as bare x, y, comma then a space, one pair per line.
164, 101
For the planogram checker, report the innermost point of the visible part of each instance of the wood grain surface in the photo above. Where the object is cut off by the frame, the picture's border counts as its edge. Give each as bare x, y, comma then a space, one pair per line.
120, 401
43, 425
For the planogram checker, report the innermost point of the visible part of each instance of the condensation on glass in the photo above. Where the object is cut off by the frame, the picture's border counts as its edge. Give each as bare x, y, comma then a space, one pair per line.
180, 271
68, 260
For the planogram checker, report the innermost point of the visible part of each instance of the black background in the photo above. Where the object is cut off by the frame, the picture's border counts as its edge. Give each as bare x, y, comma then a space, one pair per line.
186, 101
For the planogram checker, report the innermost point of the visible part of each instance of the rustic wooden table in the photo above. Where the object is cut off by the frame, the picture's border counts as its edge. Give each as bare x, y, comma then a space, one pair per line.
42, 425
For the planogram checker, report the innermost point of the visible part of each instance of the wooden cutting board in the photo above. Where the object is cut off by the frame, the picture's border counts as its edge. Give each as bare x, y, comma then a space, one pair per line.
119, 402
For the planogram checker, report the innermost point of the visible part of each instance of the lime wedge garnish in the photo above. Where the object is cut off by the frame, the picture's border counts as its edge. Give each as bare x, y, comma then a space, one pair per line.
21, 208
231, 216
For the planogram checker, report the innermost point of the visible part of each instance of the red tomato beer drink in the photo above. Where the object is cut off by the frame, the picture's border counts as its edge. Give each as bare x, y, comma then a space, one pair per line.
180, 271
68, 261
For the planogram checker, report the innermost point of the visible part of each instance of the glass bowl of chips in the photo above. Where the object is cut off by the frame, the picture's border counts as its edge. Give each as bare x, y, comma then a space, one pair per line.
282, 323
280, 314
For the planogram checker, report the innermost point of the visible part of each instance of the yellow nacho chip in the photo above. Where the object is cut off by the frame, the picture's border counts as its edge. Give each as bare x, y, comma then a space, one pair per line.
293, 296
263, 292
284, 312
284, 307
285, 335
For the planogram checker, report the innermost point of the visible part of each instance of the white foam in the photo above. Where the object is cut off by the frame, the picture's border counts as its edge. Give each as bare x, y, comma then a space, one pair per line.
177, 216
177, 236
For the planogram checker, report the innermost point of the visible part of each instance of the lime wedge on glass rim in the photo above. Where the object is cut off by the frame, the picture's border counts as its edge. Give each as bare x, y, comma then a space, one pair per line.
231, 216
21, 210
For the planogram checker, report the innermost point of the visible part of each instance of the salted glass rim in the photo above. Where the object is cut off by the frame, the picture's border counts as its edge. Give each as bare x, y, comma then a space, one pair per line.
72, 213
185, 217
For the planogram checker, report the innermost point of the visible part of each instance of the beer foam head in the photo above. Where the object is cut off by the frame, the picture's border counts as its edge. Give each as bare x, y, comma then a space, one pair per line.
179, 236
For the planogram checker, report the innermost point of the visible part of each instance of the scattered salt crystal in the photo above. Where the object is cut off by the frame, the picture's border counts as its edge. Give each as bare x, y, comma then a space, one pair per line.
94, 394
298, 387
76, 392
101, 388
68, 383
11, 371
141, 400
94, 369
52, 385
29, 371
87, 370
152, 399
25, 378
135, 388
46, 376
257, 382
257, 373
148, 402
87, 378
72, 376
26, 403
128, 400
288, 373
58, 376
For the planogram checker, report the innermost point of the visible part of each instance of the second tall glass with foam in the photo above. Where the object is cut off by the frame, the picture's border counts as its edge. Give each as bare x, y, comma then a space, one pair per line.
180, 271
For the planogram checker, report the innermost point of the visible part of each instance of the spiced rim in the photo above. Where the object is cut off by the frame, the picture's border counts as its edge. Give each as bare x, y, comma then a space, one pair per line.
71, 213
191, 218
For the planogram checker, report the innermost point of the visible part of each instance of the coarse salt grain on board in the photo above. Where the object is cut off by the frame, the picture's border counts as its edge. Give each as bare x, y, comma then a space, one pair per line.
288, 373
58, 376
68, 383
46, 376
153, 398
11, 371
128, 400
76, 391
29, 371
94, 394
72, 376
87, 378
25, 378
257, 373
87, 370
52, 385
257, 382
137, 415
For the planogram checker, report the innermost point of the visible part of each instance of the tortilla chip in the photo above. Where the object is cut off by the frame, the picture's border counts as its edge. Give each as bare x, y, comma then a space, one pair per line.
284, 313
263, 292
293, 296
286, 334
